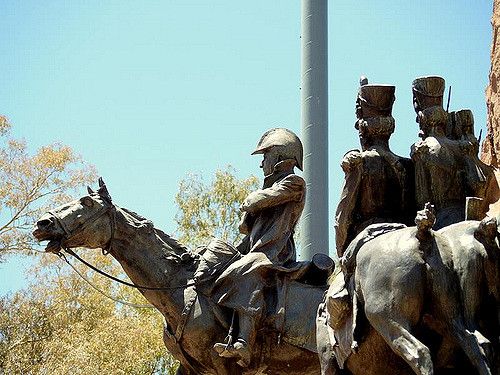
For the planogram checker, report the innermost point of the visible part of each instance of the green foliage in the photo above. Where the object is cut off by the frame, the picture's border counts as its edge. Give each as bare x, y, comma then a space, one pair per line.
212, 209
31, 183
61, 325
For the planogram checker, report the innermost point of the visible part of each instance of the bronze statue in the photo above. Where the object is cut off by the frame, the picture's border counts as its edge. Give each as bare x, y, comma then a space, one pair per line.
269, 219
270, 214
421, 291
378, 185
447, 168
481, 182
419, 297
406, 300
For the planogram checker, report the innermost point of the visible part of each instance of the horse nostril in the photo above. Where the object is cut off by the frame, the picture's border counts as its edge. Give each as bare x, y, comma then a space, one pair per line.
45, 223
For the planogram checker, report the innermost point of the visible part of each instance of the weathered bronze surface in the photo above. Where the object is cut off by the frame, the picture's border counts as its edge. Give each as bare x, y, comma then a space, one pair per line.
194, 321
417, 289
378, 185
430, 297
247, 296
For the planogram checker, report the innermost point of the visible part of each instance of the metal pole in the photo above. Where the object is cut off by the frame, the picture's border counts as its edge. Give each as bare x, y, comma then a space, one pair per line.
314, 98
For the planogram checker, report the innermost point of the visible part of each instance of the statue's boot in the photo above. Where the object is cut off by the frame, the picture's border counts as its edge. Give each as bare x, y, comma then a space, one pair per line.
243, 345
239, 350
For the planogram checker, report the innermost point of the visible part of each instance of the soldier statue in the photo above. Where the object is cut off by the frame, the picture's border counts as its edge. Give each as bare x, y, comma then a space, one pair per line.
377, 197
269, 218
447, 169
378, 184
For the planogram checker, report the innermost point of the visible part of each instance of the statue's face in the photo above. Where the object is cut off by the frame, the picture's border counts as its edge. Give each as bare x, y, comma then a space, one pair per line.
359, 110
270, 159
416, 106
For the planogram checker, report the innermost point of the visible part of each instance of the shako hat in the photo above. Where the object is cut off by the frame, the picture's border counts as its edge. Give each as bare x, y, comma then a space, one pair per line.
376, 100
432, 86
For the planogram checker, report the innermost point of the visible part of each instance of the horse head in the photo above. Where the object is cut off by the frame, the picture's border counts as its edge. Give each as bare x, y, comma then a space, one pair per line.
85, 222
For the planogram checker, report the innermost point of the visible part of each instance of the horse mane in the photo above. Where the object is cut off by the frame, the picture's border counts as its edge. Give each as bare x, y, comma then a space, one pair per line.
136, 220
140, 222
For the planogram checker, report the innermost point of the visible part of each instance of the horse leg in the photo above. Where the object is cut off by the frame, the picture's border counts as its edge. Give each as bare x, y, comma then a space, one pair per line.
326, 355
393, 305
403, 343
472, 344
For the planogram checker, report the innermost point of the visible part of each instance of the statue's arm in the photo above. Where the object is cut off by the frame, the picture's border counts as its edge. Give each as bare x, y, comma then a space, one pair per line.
245, 223
291, 188
353, 169
420, 155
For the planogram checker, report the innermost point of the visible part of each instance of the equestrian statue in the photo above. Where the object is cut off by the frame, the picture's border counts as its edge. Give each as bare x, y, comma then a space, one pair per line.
228, 310
416, 289
425, 285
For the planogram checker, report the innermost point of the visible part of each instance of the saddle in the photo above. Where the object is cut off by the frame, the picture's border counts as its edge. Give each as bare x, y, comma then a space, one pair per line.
217, 255
286, 285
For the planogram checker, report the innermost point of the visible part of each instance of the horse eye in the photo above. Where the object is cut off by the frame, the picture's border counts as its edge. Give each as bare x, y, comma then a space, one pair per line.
87, 201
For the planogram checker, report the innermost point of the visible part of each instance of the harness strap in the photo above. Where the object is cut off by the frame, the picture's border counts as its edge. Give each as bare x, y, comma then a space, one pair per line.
139, 306
71, 252
190, 286
186, 312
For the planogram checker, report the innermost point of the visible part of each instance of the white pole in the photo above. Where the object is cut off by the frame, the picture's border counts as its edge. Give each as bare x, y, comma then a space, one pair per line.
314, 97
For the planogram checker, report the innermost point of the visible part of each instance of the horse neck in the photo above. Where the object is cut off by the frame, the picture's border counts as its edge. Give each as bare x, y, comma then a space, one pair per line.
151, 258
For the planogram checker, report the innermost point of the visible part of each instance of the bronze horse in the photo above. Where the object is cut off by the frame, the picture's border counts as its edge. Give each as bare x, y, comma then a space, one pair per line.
447, 282
193, 322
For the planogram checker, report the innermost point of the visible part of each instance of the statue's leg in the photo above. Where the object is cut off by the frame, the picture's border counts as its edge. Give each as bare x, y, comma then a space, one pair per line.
242, 346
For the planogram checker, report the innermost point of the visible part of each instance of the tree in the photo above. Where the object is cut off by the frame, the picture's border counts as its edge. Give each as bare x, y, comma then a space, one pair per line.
212, 209
60, 324
31, 183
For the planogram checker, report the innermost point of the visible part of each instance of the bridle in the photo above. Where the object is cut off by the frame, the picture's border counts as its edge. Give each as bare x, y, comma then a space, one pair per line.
106, 209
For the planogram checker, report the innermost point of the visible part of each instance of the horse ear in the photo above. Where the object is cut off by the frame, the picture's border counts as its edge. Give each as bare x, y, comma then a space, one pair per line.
90, 191
103, 191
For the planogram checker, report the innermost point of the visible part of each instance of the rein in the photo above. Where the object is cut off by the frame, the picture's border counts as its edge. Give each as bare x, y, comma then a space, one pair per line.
111, 210
61, 255
72, 253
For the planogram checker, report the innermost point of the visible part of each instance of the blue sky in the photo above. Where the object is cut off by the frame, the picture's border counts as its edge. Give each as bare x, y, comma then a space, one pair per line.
149, 92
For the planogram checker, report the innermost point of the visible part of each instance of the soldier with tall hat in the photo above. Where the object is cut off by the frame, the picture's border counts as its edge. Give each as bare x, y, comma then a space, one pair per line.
480, 177
378, 184
447, 169
377, 197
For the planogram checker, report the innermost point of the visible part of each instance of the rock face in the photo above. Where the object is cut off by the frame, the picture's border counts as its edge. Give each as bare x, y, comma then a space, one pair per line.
491, 147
